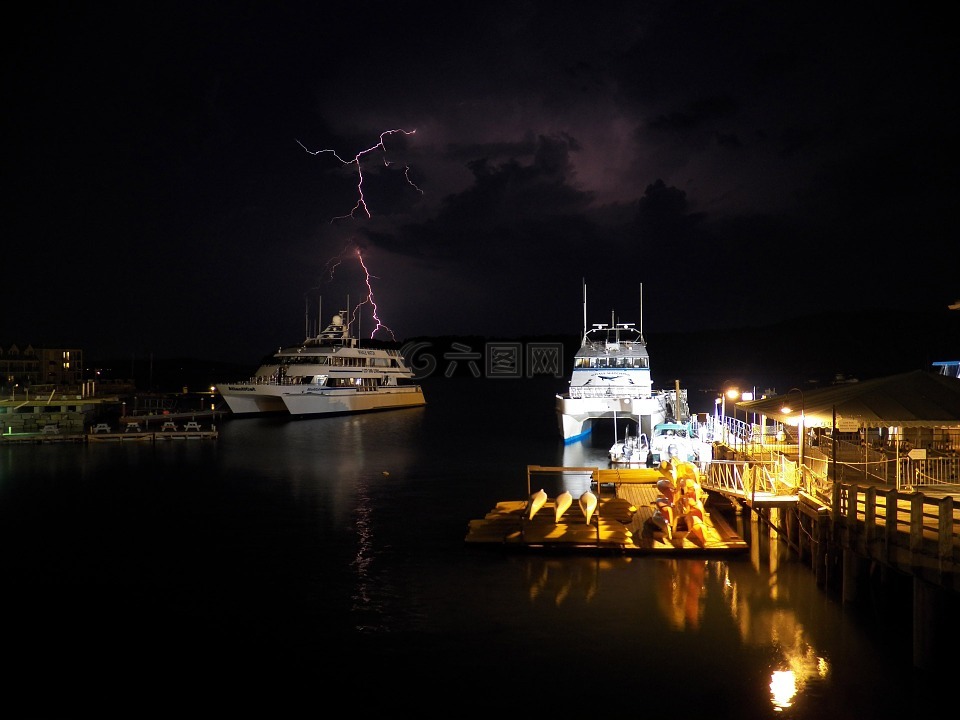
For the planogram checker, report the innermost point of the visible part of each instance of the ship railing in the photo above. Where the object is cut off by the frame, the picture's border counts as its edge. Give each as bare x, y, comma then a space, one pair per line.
608, 391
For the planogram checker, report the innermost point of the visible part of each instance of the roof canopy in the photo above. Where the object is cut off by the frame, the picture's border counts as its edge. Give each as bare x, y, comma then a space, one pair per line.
913, 399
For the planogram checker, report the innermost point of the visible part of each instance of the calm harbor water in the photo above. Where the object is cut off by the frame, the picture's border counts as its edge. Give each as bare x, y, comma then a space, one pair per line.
292, 564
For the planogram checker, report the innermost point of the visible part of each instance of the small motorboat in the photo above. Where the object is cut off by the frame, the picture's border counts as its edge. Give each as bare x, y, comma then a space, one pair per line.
564, 500
632, 451
588, 504
537, 501
674, 441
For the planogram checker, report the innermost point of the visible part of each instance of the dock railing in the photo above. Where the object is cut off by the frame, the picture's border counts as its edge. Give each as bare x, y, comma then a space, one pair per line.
746, 477
914, 528
899, 527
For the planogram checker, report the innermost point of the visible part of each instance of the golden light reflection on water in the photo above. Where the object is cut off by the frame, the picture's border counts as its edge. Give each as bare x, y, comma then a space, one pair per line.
554, 579
681, 591
755, 594
768, 618
783, 687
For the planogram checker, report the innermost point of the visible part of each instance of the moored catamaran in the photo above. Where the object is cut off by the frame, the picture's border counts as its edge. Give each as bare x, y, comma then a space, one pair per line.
329, 373
611, 379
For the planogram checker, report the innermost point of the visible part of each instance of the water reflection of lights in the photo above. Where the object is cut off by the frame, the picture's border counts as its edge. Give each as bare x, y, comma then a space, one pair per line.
767, 618
553, 580
362, 596
783, 686
803, 665
681, 591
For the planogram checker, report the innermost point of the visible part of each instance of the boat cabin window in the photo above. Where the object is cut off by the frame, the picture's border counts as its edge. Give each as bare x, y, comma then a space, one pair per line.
612, 362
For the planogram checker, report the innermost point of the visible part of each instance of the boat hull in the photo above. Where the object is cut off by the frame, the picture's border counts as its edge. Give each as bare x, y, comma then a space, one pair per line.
575, 416
336, 401
249, 399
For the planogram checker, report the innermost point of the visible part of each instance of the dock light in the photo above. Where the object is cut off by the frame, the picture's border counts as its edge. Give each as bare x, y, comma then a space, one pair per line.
786, 410
732, 393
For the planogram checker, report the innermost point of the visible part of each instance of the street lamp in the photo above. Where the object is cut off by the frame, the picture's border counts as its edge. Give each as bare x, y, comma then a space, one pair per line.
732, 393
800, 426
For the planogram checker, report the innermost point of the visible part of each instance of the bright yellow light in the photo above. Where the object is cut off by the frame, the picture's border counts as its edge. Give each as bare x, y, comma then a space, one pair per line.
783, 688
733, 393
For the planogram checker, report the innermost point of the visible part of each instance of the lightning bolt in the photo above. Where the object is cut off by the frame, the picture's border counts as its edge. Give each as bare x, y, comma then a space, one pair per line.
361, 199
331, 268
369, 299
335, 261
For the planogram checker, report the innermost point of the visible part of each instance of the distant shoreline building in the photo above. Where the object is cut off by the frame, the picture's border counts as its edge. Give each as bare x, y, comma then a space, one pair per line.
40, 367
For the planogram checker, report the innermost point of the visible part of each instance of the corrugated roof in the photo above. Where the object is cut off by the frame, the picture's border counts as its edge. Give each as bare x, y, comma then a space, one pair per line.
914, 399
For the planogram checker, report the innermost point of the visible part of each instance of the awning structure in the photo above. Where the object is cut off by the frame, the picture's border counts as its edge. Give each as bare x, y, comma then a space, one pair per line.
914, 399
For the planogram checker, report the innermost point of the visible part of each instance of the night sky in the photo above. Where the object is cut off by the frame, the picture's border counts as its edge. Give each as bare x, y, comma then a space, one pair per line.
741, 162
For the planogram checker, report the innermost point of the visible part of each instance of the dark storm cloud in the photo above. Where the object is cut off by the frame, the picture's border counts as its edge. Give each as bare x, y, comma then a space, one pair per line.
694, 147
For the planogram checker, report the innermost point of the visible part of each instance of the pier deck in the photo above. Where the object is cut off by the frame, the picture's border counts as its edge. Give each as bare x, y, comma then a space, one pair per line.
619, 525
41, 438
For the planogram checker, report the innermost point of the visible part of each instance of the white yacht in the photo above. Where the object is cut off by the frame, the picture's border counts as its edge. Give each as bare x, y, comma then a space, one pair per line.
611, 379
329, 373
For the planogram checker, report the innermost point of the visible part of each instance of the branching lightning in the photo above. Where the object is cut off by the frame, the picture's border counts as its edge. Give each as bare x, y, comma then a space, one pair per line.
331, 267
361, 199
335, 261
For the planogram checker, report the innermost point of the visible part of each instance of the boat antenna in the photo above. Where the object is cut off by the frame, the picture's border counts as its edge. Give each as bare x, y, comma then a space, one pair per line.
641, 313
348, 320
358, 321
584, 335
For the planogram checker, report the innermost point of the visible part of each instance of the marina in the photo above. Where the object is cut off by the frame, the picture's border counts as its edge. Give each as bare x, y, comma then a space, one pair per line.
222, 535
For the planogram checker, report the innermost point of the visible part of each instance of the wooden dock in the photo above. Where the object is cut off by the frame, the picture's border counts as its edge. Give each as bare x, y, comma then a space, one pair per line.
151, 436
169, 430
621, 523
103, 433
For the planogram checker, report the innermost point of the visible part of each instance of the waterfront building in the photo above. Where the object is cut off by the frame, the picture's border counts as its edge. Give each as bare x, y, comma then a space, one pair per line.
39, 367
